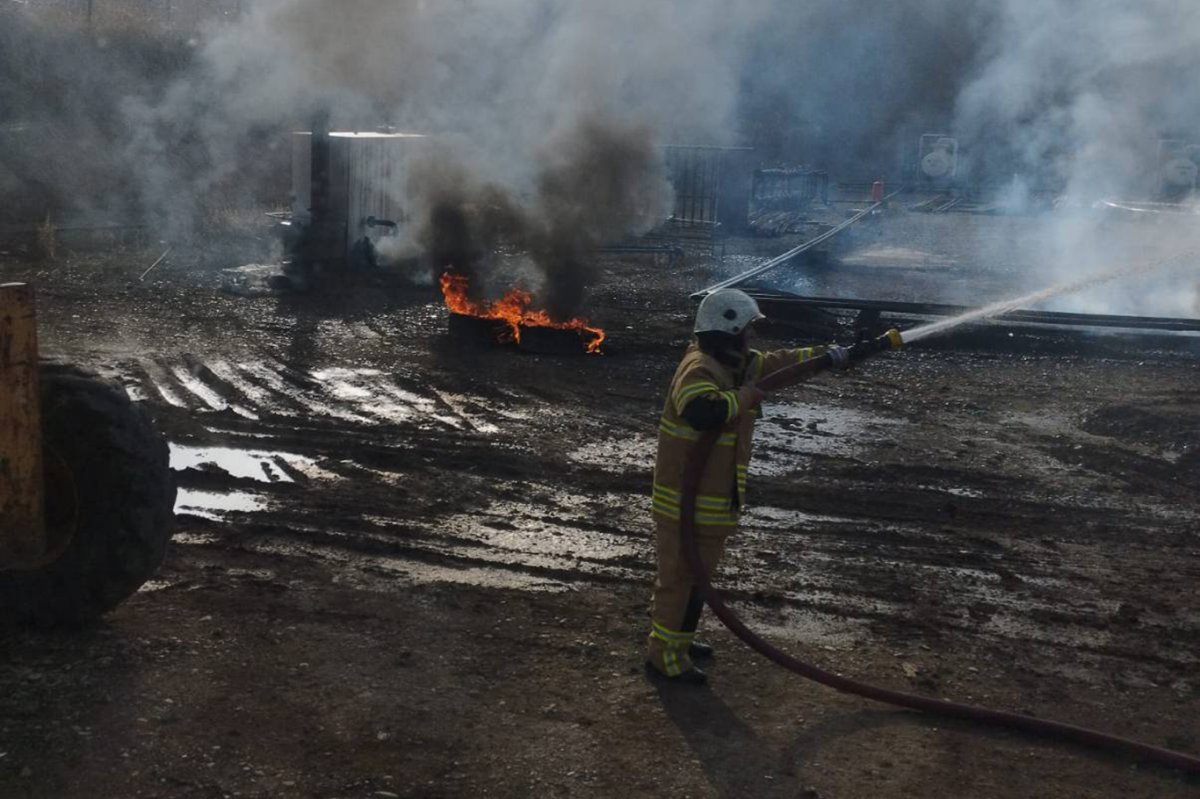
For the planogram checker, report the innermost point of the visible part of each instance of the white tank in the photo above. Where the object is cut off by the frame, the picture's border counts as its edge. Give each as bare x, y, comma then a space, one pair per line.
939, 157
938, 164
366, 177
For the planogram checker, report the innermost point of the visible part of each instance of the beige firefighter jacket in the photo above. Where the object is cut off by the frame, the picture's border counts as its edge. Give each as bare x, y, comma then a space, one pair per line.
722, 492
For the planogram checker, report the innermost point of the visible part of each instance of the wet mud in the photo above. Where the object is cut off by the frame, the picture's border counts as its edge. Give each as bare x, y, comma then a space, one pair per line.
408, 564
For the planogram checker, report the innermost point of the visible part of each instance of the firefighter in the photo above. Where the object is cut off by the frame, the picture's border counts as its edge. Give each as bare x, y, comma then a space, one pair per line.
712, 388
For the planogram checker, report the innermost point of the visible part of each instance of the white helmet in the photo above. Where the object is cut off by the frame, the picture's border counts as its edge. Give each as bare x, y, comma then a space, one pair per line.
727, 311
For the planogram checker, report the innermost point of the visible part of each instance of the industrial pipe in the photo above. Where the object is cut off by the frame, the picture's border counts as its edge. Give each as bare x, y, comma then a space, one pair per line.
691, 480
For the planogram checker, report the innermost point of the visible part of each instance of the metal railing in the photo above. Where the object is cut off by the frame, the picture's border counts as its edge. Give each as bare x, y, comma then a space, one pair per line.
788, 189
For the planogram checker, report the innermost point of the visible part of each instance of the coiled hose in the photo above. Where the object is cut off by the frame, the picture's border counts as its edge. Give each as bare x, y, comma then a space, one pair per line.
691, 481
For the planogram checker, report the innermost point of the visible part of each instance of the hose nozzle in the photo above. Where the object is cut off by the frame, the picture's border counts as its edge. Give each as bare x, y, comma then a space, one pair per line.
890, 340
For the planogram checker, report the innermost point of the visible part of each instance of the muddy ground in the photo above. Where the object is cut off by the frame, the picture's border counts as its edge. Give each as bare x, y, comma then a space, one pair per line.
409, 564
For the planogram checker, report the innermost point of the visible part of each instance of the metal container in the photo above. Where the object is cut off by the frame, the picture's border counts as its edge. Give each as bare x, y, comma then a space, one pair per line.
366, 174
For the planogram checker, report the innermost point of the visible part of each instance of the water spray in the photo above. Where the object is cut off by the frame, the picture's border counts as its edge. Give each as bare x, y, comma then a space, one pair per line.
796, 373
1006, 306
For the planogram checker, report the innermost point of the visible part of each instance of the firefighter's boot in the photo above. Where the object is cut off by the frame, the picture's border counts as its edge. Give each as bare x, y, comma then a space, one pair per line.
668, 655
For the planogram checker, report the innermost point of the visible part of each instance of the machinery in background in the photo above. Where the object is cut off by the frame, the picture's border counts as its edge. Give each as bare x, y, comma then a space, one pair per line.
937, 160
87, 496
721, 191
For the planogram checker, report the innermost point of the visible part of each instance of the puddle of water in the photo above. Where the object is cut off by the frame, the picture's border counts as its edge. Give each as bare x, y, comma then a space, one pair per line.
409, 572
250, 464
207, 395
458, 402
193, 384
808, 627
197, 539
167, 393
969, 493
155, 585
372, 392
784, 436
342, 381
214, 505
767, 516
231, 375
888, 257
798, 429
274, 380
617, 455
553, 535
430, 574
243, 433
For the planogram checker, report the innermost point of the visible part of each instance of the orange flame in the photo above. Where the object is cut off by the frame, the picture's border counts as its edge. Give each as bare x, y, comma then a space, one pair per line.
512, 309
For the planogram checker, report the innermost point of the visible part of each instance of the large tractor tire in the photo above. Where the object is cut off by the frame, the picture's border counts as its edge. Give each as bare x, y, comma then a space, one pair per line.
110, 499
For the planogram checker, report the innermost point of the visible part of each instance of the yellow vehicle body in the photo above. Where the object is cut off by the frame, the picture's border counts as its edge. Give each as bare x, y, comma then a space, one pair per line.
22, 490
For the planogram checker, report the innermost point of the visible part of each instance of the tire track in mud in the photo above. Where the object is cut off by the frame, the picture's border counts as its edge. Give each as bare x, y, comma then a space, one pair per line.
406, 481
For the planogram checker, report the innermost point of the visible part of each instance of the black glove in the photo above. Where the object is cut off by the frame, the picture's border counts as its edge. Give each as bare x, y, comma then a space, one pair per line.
840, 357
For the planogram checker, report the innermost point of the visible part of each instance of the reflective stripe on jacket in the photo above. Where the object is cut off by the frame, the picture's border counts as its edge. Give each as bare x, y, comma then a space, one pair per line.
723, 485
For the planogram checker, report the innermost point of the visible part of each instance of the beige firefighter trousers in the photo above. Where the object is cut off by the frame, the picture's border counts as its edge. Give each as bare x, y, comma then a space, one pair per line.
667, 644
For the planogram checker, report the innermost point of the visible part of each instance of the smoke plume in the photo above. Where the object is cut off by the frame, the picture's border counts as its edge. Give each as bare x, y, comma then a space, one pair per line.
600, 182
1080, 93
1075, 97
549, 115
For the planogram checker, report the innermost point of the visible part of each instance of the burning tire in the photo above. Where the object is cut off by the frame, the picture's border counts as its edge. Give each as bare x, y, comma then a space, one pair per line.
110, 500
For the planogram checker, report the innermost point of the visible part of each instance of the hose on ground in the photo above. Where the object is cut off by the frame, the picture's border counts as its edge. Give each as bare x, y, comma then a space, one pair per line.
693, 471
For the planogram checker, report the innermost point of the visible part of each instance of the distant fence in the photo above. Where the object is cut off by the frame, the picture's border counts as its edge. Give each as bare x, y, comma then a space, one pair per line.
160, 14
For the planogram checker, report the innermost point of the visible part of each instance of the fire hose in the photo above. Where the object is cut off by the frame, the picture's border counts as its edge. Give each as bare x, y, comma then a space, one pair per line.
691, 479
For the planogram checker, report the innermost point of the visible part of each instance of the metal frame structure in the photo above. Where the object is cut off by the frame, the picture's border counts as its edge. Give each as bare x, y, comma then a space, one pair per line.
788, 189
707, 191
780, 303
696, 175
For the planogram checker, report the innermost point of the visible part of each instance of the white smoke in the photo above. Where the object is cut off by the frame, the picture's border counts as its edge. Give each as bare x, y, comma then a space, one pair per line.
1065, 95
1075, 96
504, 81
1082, 91
555, 108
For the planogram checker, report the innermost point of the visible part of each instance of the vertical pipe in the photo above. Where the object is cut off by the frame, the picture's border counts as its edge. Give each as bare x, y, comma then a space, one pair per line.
676, 182
693, 178
685, 157
714, 186
22, 503
320, 204
686, 171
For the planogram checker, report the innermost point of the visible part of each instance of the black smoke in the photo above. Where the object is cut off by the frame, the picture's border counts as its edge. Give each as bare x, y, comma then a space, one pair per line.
596, 184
